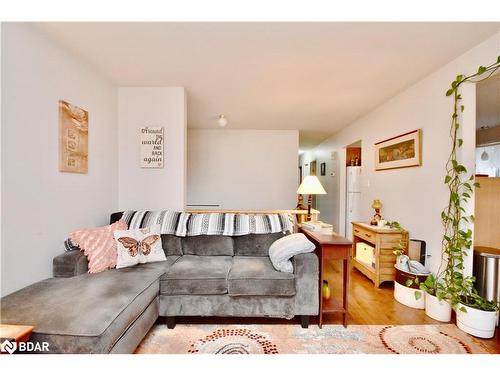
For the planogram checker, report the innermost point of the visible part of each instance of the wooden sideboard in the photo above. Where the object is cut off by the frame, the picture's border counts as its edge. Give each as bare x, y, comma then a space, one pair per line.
383, 240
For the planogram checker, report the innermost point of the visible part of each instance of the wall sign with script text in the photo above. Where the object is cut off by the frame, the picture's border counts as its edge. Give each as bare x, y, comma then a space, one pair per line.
151, 147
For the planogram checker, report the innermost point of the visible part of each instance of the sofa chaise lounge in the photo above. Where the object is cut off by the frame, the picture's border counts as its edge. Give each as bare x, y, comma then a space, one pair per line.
112, 311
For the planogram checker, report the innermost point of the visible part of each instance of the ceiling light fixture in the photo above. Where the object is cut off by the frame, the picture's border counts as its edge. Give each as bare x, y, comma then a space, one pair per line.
222, 121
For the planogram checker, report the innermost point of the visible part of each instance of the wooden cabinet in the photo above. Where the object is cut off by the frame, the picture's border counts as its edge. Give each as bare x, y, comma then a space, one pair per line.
383, 240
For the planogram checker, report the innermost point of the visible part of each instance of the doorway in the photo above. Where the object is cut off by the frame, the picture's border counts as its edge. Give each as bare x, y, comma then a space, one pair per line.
487, 197
353, 170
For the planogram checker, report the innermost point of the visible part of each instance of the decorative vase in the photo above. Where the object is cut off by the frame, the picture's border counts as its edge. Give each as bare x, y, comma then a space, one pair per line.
326, 292
436, 309
476, 322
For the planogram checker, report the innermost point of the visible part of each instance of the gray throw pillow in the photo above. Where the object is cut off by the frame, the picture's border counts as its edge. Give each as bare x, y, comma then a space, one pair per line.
284, 249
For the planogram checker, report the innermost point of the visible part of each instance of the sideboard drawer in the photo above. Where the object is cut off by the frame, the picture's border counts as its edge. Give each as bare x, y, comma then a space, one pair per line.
364, 234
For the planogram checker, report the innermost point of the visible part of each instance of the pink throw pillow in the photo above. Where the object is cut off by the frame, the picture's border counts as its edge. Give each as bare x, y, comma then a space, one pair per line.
99, 245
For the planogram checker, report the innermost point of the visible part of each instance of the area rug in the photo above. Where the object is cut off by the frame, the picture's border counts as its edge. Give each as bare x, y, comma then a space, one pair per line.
292, 339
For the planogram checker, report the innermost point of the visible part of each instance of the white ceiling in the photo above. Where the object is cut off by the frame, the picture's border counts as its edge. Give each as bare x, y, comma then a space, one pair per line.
315, 77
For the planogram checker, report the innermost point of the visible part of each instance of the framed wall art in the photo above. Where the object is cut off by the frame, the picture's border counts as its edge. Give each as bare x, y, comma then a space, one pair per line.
322, 169
402, 151
73, 138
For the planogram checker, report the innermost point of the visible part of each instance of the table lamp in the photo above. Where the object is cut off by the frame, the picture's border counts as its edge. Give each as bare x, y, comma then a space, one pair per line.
310, 185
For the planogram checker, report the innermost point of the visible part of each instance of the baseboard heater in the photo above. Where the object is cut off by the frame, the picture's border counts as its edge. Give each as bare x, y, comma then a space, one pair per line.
203, 205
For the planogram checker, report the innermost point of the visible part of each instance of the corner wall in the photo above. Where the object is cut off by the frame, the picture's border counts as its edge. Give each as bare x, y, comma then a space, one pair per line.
149, 188
413, 196
41, 205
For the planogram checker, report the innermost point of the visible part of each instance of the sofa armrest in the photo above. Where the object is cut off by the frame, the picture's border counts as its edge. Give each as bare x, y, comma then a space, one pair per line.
306, 270
69, 264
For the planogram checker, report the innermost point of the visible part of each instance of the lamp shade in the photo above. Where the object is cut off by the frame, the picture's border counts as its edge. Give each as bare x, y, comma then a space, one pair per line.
311, 185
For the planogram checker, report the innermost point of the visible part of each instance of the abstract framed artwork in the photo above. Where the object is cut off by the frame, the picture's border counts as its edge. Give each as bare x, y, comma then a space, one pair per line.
402, 151
73, 138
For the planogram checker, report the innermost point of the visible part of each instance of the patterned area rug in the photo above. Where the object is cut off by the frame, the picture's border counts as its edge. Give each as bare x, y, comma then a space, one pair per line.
292, 339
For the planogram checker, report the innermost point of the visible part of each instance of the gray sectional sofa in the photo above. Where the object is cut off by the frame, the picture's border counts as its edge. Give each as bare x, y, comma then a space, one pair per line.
111, 311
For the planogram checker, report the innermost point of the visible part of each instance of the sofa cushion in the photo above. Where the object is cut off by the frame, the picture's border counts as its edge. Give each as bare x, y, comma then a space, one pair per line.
256, 276
193, 274
255, 245
171, 244
86, 313
207, 245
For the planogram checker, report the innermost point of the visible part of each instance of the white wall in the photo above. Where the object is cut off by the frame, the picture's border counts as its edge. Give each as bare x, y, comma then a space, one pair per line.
412, 196
144, 188
243, 169
41, 205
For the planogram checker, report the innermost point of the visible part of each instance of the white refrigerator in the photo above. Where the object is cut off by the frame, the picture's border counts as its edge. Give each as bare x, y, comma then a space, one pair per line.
353, 198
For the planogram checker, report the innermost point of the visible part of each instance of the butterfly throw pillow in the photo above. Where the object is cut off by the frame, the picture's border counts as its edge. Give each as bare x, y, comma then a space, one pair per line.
138, 246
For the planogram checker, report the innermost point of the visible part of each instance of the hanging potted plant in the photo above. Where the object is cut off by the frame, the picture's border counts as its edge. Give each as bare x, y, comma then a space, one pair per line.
475, 315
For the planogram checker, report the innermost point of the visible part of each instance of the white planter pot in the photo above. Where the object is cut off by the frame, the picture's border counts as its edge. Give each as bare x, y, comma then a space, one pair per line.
436, 309
477, 322
406, 296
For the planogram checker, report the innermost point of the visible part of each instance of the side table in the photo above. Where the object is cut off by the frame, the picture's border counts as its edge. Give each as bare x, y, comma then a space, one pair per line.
332, 247
15, 333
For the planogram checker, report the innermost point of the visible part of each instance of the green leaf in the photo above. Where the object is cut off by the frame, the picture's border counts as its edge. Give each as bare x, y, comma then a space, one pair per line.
477, 184
498, 59
418, 295
460, 142
447, 179
463, 309
481, 70
409, 282
462, 108
449, 92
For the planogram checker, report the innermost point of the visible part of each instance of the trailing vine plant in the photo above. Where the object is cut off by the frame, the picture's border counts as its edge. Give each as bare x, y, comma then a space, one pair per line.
457, 238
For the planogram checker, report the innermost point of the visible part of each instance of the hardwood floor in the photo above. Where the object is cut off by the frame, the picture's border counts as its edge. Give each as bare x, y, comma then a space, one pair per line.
367, 305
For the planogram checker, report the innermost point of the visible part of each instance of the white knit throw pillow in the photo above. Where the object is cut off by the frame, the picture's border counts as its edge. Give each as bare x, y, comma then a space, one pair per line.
284, 249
